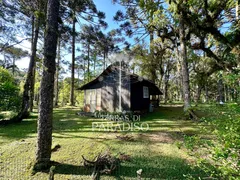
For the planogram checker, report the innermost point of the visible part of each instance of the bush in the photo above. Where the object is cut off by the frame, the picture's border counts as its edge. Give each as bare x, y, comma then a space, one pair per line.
223, 158
9, 92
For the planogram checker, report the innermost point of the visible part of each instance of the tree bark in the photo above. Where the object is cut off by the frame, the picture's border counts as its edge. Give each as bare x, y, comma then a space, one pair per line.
31, 98
152, 65
73, 60
179, 74
226, 93
185, 73
44, 140
29, 83
166, 79
236, 91
94, 64
88, 65
57, 72
237, 10
220, 89
104, 60
84, 70
206, 93
34, 33
198, 93
13, 68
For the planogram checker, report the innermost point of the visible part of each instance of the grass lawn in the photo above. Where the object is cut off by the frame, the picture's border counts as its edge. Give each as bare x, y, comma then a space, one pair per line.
154, 151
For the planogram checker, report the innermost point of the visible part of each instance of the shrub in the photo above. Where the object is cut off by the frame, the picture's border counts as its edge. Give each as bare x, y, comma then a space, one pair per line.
9, 92
223, 158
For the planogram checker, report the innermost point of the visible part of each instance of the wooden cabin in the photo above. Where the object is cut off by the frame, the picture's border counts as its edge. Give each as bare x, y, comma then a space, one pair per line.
117, 90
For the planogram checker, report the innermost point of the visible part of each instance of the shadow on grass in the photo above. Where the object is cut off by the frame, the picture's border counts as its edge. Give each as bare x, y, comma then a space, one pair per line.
69, 169
20, 130
158, 167
66, 120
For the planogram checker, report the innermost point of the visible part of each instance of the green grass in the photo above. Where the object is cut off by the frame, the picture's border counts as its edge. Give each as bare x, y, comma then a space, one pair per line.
155, 151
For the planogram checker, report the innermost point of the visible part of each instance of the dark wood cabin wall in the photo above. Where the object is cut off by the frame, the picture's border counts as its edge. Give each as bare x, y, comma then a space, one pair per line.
111, 94
137, 100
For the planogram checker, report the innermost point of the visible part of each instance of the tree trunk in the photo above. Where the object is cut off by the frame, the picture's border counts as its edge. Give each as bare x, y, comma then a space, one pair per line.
57, 72
166, 79
94, 64
220, 89
152, 65
78, 75
179, 74
84, 70
236, 91
88, 64
32, 83
198, 94
73, 60
166, 91
104, 60
226, 93
44, 140
206, 93
237, 10
13, 68
32, 89
29, 83
185, 73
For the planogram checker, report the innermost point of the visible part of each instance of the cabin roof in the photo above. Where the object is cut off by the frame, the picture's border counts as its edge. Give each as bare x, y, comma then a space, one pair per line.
134, 78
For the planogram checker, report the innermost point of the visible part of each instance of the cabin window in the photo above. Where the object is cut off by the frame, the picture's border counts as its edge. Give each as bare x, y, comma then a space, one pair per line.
88, 94
98, 97
93, 96
145, 92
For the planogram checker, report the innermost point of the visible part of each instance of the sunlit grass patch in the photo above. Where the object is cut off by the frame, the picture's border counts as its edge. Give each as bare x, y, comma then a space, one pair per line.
155, 150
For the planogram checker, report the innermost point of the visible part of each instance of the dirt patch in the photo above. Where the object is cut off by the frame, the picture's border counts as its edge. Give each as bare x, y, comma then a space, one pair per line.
125, 138
158, 137
124, 157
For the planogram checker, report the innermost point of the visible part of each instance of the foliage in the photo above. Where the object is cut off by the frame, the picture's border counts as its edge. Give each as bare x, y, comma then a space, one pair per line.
64, 95
223, 158
80, 98
9, 92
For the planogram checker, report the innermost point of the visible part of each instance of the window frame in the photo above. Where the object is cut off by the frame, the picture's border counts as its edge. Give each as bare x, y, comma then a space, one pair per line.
145, 92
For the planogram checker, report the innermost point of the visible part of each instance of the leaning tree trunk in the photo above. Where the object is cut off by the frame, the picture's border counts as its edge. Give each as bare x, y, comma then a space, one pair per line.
29, 83
44, 140
185, 73
73, 60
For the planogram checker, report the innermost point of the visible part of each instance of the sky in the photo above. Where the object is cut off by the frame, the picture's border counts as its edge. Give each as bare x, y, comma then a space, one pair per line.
105, 6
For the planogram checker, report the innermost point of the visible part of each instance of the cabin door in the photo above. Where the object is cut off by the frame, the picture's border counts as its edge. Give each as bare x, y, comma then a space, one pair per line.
93, 100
